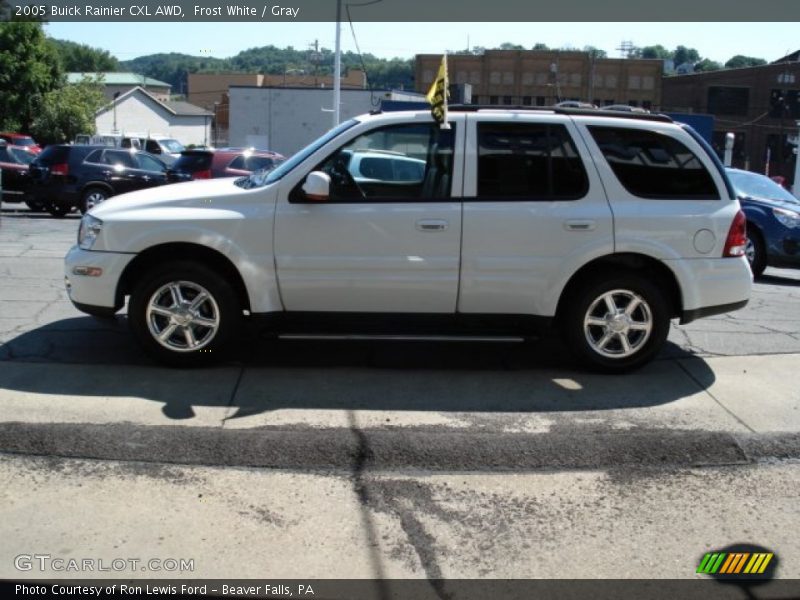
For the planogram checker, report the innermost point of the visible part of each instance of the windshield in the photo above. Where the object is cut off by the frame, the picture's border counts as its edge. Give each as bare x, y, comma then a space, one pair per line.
173, 146
754, 185
270, 175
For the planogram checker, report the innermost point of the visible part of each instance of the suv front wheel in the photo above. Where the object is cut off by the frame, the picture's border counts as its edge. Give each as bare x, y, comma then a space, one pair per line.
185, 314
616, 323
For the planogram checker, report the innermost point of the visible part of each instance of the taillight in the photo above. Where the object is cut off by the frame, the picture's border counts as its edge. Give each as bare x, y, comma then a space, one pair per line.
202, 174
59, 169
736, 241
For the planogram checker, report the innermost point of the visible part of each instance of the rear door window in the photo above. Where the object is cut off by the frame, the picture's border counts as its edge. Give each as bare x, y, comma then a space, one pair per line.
529, 161
119, 157
650, 164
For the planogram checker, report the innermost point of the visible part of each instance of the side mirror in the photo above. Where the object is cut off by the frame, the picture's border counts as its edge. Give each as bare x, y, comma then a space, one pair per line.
317, 186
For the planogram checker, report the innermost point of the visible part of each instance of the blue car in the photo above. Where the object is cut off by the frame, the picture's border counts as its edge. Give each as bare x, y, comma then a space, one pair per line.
773, 221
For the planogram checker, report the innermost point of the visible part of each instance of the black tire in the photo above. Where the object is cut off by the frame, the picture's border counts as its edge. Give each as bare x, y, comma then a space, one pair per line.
92, 197
222, 307
58, 210
588, 342
35, 205
756, 251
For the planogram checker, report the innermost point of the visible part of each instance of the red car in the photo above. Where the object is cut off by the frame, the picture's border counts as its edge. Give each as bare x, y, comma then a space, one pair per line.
223, 162
20, 139
14, 161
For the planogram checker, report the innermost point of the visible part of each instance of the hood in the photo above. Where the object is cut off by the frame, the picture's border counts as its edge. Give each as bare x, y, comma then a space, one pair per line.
192, 194
771, 203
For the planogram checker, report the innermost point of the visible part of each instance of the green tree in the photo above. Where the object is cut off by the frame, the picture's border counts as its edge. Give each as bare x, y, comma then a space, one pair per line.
540, 46
657, 51
739, 61
595, 52
81, 58
29, 69
682, 54
68, 111
707, 65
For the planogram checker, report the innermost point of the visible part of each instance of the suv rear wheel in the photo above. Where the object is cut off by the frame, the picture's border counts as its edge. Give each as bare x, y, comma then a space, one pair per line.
185, 314
616, 323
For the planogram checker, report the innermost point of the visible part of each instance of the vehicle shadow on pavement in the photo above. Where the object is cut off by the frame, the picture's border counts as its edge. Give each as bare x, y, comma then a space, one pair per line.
84, 357
777, 280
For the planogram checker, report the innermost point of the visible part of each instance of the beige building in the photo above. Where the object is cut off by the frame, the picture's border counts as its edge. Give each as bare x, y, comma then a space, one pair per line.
210, 90
207, 88
544, 77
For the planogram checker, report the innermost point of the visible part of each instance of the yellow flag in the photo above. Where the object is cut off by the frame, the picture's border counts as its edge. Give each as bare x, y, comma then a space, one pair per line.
437, 95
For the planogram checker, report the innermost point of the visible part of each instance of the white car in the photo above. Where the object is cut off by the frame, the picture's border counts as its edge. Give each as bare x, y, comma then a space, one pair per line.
606, 225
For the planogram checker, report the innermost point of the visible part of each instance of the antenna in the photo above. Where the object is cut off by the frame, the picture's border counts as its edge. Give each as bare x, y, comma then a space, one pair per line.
626, 49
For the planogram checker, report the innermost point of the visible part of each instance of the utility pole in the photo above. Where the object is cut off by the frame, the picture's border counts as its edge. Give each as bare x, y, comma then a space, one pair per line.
337, 65
626, 49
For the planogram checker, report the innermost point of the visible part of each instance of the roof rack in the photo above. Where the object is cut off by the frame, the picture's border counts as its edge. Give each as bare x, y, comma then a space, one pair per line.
563, 110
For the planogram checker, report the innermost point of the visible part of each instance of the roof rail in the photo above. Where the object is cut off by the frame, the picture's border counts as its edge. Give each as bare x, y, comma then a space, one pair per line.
563, 110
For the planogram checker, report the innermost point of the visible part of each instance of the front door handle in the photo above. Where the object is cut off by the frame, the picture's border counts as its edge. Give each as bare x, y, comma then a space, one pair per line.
580, 225
432, 225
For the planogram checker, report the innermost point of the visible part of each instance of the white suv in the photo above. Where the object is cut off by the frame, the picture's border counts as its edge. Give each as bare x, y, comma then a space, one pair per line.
606, 224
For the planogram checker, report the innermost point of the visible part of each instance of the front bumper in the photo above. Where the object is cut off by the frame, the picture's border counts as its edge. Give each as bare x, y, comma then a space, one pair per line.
92, 278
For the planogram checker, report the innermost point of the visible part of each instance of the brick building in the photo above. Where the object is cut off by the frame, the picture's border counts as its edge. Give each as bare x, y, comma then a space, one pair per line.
544, 77
760, 105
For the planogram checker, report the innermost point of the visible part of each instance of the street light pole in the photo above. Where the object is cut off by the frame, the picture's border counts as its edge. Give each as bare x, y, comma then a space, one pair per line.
337, 65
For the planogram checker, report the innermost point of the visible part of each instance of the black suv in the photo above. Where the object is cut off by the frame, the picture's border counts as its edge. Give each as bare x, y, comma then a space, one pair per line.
64, 176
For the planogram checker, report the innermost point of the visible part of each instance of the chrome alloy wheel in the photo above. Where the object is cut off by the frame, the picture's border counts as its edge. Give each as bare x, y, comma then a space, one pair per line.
94, 198
618, 323
750, 251
182, 316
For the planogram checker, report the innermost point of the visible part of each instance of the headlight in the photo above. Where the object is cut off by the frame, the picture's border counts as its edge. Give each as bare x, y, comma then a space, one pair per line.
88, 231
787, 218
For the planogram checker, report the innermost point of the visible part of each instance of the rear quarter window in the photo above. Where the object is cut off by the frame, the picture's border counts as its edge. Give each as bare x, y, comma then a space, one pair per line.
650, 164
192, 162
52, 155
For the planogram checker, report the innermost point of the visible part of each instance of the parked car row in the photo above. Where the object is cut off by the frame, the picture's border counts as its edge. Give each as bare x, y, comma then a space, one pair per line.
68, 176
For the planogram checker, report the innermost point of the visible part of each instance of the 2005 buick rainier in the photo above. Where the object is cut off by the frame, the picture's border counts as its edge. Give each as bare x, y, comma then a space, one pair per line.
603, 226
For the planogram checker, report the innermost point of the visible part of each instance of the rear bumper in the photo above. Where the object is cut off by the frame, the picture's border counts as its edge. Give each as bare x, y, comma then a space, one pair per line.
711, 286
59, 194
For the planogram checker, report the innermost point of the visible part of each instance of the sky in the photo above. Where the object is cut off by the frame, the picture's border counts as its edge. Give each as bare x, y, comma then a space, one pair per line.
716, 41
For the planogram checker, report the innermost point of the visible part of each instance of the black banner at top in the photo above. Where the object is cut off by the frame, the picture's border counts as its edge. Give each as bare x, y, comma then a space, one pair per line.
282, 11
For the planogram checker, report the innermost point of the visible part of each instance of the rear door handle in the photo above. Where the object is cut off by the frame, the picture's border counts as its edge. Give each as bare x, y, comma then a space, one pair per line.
580, 225
432, 225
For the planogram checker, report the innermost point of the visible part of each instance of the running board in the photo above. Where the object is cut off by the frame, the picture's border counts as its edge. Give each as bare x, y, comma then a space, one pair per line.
402, 338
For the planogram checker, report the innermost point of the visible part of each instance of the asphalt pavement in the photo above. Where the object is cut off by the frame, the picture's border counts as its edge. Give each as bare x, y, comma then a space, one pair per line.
413, 459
